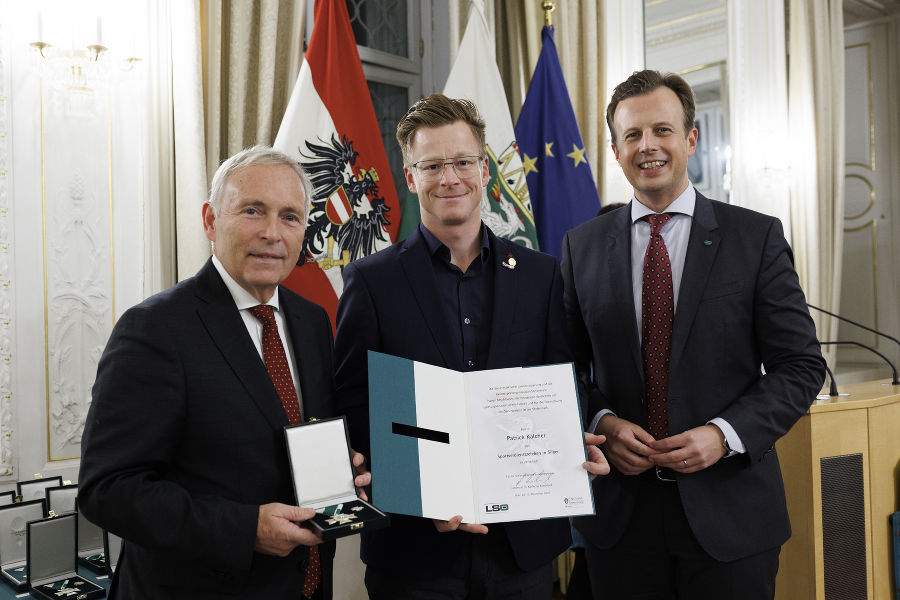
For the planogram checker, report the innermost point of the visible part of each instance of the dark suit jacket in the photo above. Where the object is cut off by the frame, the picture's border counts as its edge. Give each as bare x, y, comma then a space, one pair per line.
740, 306
184, 441
390, 304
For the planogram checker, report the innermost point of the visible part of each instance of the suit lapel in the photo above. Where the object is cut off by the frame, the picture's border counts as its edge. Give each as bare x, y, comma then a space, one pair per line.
620, 284
307, 359
505, 295
223, 321
419, 273
703, 245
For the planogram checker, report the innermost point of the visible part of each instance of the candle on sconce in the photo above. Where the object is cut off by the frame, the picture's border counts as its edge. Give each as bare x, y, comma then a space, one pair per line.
40, 27
99, 31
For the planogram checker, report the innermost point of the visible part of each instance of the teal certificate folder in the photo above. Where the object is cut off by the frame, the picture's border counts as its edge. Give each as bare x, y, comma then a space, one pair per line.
493, 446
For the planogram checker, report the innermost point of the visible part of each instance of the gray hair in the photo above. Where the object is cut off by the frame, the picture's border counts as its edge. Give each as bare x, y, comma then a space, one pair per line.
249, 157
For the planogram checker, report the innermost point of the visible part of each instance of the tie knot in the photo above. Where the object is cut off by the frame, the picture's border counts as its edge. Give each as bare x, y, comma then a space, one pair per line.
657, 222
264, 312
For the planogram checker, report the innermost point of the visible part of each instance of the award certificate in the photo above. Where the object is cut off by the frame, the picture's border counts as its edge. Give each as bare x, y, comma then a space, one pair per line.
493, 446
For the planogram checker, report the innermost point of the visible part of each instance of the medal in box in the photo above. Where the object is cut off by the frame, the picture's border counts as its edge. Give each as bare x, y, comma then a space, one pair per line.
13, 540
322, 470
53, 561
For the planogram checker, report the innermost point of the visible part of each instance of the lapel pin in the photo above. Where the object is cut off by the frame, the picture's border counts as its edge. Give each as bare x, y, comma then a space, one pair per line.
510, 262
707, 242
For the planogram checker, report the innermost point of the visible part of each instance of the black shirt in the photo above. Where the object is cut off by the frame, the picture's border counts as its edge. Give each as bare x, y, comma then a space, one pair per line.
467, 299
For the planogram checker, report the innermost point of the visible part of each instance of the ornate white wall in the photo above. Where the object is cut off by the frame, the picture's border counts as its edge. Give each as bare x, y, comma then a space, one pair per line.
7, 327
76, 172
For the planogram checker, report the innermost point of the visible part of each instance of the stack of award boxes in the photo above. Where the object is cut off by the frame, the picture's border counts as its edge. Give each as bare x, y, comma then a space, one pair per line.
14, 519
43, 537
53, 560
64, 499
323, 474
36, 489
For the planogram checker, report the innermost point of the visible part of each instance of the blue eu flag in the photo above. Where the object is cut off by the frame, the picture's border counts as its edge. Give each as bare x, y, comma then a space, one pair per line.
560, 182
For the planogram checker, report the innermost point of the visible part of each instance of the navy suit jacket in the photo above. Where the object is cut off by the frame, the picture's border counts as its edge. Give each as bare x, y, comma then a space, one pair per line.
740, 307
390, 304
184, 441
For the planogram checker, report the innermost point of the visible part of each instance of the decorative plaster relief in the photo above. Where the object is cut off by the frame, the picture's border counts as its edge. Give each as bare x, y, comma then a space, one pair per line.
8, 440
78, 255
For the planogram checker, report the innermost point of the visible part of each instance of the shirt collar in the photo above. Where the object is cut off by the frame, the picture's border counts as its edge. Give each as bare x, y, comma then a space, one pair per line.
434, 245
683, 204
242, 298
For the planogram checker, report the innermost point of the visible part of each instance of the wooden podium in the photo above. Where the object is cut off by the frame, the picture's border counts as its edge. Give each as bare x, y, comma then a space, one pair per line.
840, 464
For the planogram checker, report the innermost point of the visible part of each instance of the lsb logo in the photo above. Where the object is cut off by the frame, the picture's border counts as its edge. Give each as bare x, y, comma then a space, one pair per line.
495, 507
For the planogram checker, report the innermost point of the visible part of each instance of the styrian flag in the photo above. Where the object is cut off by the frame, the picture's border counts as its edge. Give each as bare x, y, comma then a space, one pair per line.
330, 126
506, 207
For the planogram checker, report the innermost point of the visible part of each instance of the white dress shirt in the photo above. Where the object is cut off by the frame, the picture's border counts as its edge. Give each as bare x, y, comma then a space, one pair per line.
675, 234
245, 301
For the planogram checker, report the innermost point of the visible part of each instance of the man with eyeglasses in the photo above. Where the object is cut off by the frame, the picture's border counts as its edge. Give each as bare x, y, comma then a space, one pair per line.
454, 295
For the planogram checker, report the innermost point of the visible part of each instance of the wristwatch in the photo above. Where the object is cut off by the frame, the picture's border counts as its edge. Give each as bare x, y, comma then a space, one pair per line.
725, 445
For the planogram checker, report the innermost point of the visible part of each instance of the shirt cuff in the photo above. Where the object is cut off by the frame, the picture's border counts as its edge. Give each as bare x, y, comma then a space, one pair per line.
734, 442
596, 420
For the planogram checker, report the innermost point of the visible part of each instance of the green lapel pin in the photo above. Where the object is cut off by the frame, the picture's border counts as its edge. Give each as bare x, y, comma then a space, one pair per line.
707, 242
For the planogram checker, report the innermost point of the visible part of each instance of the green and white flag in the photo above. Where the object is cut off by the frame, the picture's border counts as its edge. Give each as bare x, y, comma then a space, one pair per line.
506, 206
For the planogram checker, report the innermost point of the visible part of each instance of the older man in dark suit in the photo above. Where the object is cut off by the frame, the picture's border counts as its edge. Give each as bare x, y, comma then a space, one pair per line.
183, 450
676, 304
454, 295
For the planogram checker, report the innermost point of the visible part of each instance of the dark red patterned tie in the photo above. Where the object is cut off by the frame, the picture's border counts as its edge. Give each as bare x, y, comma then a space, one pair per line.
280, 374
657, 318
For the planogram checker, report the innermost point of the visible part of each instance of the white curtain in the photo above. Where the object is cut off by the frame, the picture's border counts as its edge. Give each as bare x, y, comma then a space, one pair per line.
757, 94
234, 65
816, 108
192, 247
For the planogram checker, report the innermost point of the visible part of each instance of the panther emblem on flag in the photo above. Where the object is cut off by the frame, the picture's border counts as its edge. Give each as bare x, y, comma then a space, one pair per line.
346, 209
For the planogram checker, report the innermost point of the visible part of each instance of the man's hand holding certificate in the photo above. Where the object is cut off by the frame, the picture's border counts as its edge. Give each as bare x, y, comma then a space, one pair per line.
490, 446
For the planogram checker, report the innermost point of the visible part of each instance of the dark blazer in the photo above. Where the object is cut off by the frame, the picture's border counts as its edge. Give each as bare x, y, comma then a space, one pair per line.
184, 441
740, 307
390, 304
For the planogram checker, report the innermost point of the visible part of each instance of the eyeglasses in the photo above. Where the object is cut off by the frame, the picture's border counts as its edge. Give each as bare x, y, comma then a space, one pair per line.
465, 167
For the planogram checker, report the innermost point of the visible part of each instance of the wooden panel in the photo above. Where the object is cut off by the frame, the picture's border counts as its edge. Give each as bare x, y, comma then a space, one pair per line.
884, 455
797, 564
863, 422
835, 434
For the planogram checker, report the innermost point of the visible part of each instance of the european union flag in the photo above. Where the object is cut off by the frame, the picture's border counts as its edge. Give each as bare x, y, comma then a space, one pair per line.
560, 182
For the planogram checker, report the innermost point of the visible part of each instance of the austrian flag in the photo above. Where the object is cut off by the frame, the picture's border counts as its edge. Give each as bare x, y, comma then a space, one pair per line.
330, 126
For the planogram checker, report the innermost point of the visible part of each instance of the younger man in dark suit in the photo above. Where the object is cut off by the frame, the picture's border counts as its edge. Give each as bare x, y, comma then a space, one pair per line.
183, 452
453, 295
675, 303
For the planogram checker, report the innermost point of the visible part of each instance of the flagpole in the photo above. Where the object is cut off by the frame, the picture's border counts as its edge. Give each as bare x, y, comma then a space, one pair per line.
548, 7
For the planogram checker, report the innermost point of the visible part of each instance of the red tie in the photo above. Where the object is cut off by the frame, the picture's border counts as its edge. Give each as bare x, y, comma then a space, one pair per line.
280, 374
657, 318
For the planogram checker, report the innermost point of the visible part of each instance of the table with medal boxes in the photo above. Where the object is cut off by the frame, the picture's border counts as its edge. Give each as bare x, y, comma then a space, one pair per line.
44, 540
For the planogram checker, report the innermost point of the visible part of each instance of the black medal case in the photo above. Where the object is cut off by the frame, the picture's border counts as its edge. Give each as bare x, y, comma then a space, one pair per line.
323, 473
53, 561
64, 499
112, 548
35, 489
14, 519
